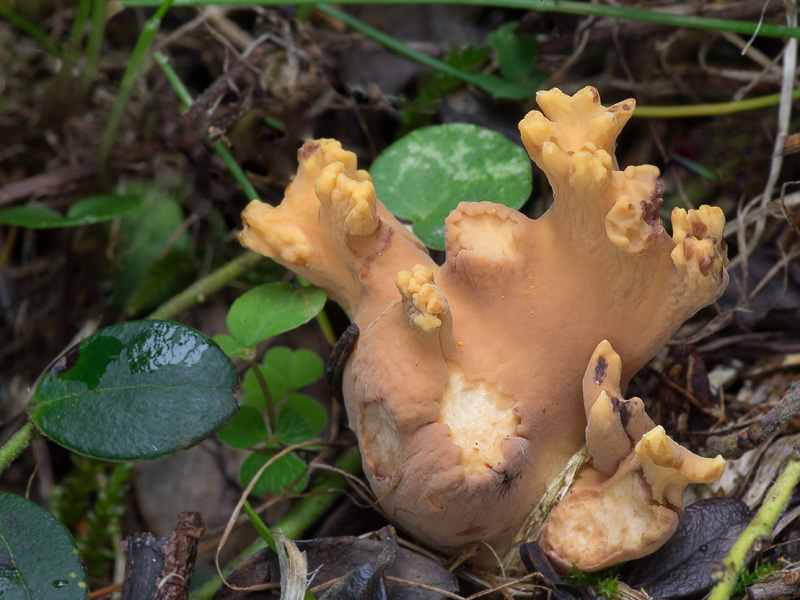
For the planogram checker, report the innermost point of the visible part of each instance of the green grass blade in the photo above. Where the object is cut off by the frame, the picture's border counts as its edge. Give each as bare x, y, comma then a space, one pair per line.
260, 526
221, 149
96, 32
29, 28
135, 67
76, 33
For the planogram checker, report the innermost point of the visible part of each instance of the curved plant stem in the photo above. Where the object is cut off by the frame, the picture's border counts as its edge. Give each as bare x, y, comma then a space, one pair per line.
563, 6
236, 171
208, 285
18, 442
299, 519
270, 404
758, 533
707, 110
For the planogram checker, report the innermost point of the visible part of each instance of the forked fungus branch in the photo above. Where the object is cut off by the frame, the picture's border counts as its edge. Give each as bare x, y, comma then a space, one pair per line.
472, 382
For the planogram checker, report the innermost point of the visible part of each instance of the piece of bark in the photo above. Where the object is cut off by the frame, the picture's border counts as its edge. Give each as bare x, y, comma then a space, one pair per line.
785, 588
145, 563
162, 568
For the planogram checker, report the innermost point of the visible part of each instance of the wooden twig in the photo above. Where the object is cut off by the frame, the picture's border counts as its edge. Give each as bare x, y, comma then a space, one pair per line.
49, 180
787, 586
733, 445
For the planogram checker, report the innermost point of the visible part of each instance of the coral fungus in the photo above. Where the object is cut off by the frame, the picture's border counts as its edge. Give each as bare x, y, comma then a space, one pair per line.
469, 389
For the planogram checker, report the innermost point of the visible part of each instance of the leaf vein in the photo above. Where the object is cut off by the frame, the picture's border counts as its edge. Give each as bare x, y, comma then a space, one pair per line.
49, 401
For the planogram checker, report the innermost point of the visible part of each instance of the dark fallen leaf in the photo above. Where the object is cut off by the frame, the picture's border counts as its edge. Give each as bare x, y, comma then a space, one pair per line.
535, 561
682, 566
366, 582
359, 566
261, 567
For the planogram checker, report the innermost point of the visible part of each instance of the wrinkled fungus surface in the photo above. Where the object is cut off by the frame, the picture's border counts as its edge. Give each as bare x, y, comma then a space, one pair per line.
473, 383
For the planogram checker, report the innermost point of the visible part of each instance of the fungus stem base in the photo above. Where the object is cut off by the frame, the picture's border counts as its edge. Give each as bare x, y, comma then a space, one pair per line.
536, 521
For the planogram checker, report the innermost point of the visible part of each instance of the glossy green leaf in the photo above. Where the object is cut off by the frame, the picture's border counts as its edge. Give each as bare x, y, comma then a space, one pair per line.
312, 411
278, 476
292, 427
136, 390
272, 309
88, 211
38, 558
245, 430
516, 53
425, 175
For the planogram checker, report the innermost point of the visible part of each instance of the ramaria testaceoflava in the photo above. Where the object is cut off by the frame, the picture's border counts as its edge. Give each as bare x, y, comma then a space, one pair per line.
469, 389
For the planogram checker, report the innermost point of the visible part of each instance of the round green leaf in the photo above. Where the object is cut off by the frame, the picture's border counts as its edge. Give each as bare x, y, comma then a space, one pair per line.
251, 391
135, 391
245, 429
286, 370
276, 383
312, 411
278, 476
38, 558
424, 176
272, 309
292, 427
